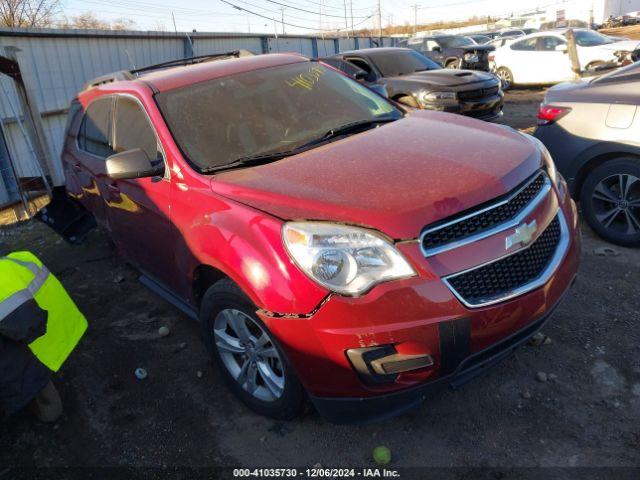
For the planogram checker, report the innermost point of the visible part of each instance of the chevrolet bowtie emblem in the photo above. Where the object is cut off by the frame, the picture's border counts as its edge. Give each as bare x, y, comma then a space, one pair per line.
522, 236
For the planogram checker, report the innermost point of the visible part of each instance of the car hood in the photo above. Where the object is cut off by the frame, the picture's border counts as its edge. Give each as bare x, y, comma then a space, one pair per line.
447, 77
396, 178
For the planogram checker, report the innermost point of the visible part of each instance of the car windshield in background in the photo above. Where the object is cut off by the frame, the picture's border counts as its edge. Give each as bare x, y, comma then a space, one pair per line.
455, 42
263, 112
398, 63
589, 38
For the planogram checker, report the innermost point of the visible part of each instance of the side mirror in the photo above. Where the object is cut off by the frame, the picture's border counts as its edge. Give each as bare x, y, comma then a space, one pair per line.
436, 49
561, 48
361, 75
132, 164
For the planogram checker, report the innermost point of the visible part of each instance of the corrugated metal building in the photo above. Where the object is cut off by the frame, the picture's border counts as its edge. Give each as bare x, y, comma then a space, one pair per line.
56, 63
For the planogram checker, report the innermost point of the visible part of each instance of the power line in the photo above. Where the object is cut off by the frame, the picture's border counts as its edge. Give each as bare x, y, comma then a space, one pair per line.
306, 11
237, 7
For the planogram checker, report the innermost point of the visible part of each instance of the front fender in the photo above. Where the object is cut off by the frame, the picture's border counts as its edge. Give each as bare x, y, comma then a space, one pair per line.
246, 245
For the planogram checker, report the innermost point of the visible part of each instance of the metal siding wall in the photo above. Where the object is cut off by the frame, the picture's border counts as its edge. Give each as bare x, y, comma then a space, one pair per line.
303, 46
205, 46
347, 44
326, 48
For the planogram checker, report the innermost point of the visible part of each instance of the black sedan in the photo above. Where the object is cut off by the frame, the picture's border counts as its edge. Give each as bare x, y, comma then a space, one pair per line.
411, 78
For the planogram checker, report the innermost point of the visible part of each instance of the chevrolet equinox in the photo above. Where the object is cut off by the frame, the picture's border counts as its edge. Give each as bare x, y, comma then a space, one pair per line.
334, 245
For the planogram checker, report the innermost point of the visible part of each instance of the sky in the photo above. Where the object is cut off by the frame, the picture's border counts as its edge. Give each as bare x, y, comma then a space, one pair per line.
300, 16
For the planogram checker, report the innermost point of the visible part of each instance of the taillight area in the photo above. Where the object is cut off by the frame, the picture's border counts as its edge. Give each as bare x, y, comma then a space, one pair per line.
548, 114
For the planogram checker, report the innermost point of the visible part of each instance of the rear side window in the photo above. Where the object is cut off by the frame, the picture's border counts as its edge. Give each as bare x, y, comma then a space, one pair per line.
93, 136
133, 129
549, 44
527, 45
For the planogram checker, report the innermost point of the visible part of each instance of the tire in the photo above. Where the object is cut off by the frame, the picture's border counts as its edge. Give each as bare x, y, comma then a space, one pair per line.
225, 302
452, 64
610, 201
408, 100
506, 78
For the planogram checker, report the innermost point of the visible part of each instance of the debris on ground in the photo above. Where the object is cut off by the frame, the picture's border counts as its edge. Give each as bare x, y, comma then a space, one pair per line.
542, 377
163, 331
141, 373
381, 455
606, 252
538, 339
199, 374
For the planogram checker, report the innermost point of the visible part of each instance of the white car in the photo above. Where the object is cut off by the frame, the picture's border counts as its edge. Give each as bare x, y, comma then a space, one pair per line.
541, 58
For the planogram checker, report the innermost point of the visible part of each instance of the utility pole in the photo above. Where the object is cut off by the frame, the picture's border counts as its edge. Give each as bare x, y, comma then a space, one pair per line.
353, 33
282, 11
346, 22
415, 18
379, 23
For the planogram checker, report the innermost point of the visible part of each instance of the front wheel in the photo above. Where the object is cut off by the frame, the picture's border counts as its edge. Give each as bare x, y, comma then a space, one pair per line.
248, 355
452, 64
506, 78
610, 201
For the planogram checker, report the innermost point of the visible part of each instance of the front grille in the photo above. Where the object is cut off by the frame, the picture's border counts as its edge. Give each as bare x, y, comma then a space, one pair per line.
486, 219
478, 94
503, 276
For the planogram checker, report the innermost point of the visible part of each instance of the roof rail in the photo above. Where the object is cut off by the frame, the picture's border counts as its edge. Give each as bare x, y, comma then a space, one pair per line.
108, 78
132, 74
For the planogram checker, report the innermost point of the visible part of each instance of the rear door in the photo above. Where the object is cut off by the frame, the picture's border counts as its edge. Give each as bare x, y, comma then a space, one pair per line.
85, 161
139, 209
557, 64
525, 62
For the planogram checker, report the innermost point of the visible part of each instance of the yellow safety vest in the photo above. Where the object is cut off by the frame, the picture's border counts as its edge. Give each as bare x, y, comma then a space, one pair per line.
23, 277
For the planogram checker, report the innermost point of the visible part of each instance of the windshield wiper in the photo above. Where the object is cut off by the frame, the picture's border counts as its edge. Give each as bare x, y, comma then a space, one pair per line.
263, 158
252, 160
354, 127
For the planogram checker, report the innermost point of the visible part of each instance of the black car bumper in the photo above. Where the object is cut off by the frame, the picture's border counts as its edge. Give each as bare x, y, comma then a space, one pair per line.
371, 409
488, 109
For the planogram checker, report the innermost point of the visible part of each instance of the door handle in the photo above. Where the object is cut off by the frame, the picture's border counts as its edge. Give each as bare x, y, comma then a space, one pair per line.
76, 167
113, 187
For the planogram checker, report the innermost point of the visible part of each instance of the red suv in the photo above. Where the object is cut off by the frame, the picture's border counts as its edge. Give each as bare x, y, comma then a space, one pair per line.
333, 245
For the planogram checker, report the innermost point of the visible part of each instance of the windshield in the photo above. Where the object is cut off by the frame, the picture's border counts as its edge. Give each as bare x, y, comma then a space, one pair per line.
272, 110
455, 42
398, 62
589, 38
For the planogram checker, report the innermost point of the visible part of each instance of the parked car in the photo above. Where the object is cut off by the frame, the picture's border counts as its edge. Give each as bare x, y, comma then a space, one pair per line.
591, 129
332, 245
511, 33
541, 58
356, 73
498, 43
480, 39
413, 79
452, 51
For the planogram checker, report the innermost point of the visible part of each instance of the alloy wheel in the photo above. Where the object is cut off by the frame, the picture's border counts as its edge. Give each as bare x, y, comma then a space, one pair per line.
505, 78
616, 203
249, 354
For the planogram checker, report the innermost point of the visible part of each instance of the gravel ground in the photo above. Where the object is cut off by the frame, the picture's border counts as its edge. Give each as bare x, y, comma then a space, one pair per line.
586, 413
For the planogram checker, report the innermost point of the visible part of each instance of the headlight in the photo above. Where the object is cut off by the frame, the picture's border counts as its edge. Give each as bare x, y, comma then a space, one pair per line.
346, 260
428, 97
471, 57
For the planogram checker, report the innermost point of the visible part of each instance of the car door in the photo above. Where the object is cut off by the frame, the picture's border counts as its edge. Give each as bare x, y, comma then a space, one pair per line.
524, 61
86, 159
433, 50
139, 209
557, 64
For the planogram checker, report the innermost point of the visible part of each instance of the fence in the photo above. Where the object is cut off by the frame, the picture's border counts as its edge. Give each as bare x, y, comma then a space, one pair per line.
56, 63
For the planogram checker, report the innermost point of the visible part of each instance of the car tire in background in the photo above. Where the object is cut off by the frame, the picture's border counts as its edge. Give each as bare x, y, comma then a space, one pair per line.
506, 78
250, 359
452, 64
610, 201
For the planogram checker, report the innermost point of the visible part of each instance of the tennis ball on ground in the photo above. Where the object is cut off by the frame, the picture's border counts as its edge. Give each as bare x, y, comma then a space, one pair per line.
382, 455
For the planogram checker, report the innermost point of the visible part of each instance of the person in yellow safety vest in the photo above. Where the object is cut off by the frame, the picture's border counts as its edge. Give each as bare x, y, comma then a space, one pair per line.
39, 327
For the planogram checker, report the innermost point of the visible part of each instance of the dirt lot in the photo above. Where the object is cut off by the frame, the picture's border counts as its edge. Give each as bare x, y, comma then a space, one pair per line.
586, 414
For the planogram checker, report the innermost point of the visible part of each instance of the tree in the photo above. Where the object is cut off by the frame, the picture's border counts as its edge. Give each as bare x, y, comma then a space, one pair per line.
88, 20
28, 13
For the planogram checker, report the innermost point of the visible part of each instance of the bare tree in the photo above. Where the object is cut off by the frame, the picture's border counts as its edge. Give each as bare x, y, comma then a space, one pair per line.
88, 20
28, 13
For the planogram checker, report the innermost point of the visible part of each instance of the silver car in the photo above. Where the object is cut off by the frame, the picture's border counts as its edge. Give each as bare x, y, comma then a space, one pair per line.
592, 130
